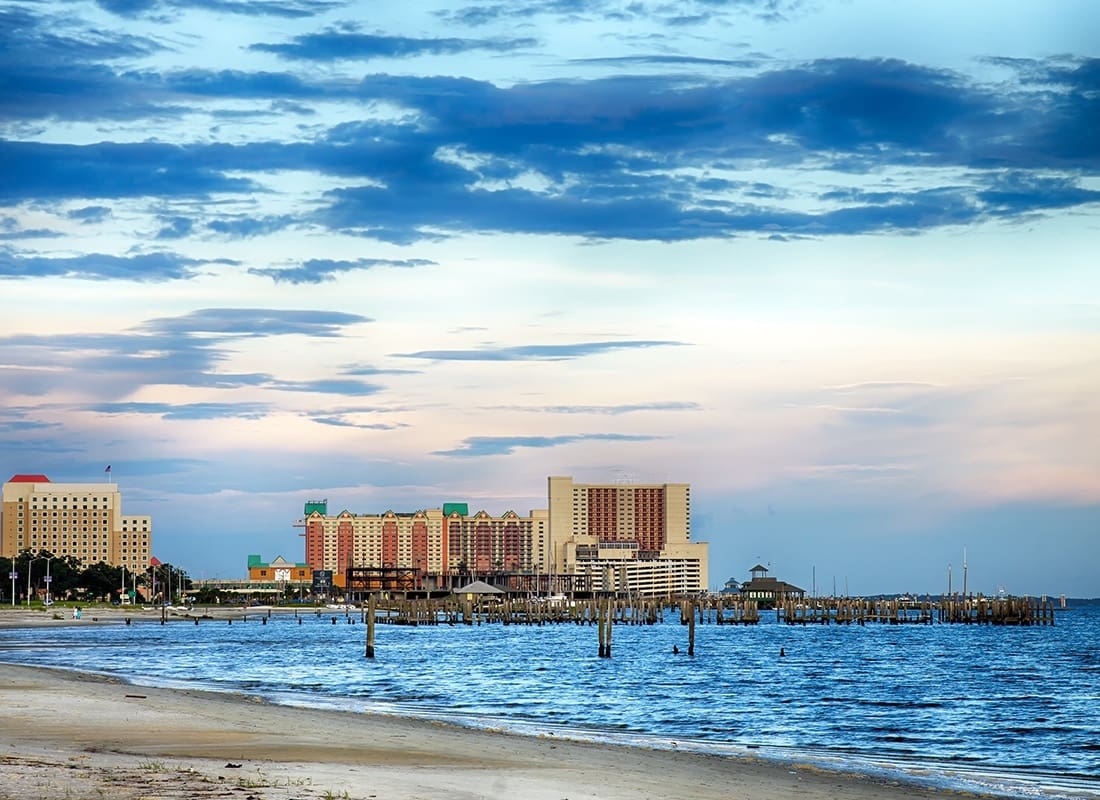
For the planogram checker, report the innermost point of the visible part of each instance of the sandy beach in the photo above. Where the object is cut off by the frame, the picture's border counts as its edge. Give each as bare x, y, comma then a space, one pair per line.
71, 735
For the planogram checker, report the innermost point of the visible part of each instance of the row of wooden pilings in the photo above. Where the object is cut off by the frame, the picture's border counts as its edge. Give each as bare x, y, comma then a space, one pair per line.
622, 611
604, 613
974, 609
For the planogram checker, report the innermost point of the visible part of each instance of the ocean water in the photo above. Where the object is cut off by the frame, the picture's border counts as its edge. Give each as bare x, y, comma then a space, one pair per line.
1007, 710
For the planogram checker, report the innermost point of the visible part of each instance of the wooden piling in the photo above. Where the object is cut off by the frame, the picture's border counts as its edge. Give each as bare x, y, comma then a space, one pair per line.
691, 630
370, 626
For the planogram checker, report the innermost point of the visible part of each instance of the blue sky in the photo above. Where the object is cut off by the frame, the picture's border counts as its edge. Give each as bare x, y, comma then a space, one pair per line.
832, 264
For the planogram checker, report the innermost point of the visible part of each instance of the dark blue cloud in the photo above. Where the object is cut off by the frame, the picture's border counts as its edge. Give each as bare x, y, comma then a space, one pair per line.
350, 44
686, 12
536, 352
504, 445
242, 227
237, 83
290, 9
89, 215
53, 66
319, 270
11, 230
108, 170
175, 227
668, 60
143, 268
624, 157
486, 13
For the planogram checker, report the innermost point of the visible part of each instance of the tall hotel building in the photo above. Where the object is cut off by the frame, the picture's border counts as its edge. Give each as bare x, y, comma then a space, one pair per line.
83, 520
626, 536
609, 537
432, 541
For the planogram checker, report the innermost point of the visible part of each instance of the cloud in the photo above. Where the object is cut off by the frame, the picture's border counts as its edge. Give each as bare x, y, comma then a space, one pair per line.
536, 352
89, 215
343, 422
670, 14
349, 44
644, 157
254, 8
627, 408
667, 60
343, 386
255, 322
319, 270
175, 227
186, 350
186, 411
364, 369
142, 268
46, 171
504, 445
10, 230
242, 227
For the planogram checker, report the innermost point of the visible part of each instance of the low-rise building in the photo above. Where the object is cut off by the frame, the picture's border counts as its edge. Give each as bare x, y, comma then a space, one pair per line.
766, 590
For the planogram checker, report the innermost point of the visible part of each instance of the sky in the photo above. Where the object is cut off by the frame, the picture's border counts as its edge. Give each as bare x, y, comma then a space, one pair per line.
834, 264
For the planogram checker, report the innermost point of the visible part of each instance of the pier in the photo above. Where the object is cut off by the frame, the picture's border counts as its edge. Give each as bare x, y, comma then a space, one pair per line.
477, 610
975, 610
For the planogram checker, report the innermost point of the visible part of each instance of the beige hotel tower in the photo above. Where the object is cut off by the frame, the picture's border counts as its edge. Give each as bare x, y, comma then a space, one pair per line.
633, 537
83, 520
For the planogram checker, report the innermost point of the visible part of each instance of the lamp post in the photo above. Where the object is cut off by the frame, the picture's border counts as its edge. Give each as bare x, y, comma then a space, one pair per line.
30, 561
13, 575
48, 579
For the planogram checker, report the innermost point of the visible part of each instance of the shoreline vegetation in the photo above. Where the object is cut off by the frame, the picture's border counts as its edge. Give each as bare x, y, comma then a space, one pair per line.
80, 735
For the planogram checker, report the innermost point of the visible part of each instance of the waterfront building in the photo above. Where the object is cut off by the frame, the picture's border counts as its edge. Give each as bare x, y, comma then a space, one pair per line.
626, 537
767, 590
482, 543
597, 537
82, 520
434, 541
278, 571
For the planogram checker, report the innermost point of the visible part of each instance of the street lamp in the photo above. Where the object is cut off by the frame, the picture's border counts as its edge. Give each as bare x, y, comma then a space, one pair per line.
13, 575
30, 561
48, 579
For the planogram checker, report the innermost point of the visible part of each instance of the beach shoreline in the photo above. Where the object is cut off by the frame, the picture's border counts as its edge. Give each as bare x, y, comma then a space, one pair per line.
71, 734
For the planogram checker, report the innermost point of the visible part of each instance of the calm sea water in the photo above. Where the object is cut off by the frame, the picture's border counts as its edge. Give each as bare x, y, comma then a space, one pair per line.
1014, 711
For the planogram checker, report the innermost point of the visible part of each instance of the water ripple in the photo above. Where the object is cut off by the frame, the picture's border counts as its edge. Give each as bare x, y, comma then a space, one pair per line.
1021, 703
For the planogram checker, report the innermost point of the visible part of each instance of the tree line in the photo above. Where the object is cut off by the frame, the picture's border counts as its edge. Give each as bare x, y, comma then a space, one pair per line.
70, 580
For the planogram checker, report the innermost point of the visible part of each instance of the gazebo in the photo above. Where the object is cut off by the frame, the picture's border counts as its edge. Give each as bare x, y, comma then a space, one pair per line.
768, 591
477, 590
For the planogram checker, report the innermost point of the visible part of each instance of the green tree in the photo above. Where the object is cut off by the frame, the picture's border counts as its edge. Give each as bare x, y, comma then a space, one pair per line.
6, 567
63, 572
171, 581
100, 581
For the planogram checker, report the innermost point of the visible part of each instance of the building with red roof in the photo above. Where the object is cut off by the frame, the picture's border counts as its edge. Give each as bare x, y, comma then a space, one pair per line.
83, 520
